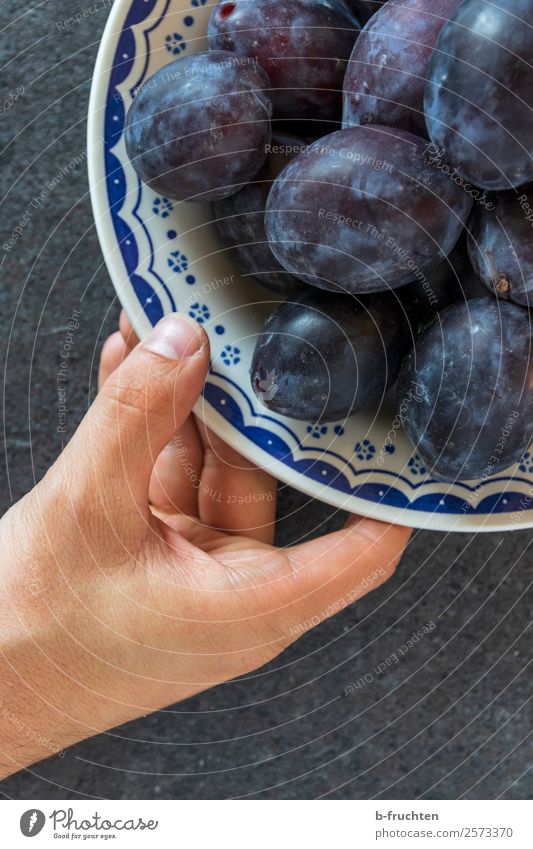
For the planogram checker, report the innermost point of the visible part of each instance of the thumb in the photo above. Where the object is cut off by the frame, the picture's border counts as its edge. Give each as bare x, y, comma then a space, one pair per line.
141, 405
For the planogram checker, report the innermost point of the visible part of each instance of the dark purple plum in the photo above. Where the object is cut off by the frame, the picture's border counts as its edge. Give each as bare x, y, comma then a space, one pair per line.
362, 211
466, 390
303, 45
305, 129
322, 356
198, 128
479, 95
452, 281
500, 245
240, 219
364, 9
386, 76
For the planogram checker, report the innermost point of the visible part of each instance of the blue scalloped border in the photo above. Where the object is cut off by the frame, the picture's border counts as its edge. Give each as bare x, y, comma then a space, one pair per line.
114, 173
323, 472
318, 470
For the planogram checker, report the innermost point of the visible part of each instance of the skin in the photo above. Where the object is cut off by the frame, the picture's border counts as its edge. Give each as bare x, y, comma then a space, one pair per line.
127, 585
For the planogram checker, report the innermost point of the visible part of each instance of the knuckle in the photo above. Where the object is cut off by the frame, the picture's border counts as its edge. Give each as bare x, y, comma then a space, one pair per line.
148, 397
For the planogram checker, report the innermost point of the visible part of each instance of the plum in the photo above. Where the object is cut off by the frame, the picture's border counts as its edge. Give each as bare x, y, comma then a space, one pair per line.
452, 281
240, 219
479, 94
386, 75
303, 45
500, 246
323, 356
364, 9
466, 390
362, 210
198, 127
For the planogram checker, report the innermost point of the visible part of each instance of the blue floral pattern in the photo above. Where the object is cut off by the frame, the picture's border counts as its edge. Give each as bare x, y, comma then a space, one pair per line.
231, 355
175, 43
364, 450
200, 312
525, 464
317, 431
162, 206
178, 262
416, 466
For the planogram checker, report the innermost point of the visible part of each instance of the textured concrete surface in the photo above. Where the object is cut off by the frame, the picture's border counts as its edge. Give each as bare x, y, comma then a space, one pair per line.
450, 719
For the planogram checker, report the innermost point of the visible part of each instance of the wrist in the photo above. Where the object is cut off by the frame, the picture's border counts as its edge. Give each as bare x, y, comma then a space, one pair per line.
44, 666
72, 655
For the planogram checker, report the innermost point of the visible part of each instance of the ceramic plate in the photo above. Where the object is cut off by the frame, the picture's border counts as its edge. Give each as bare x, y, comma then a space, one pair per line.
165, 256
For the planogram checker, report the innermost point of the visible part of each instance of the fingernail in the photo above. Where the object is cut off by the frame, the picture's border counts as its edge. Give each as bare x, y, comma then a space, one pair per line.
175, 337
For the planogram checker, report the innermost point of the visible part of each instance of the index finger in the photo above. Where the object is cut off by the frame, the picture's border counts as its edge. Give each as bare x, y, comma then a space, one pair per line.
128, 333
336, 570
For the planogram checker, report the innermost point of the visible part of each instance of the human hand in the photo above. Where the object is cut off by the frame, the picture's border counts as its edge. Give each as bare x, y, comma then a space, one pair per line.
141, 569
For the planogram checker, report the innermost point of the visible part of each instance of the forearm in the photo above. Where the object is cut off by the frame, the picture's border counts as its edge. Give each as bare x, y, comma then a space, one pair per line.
76, 655
55, 691
62, 674
43, 705
37, 703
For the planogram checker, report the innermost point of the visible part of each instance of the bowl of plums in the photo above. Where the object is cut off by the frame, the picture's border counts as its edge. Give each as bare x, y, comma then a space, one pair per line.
341, 193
